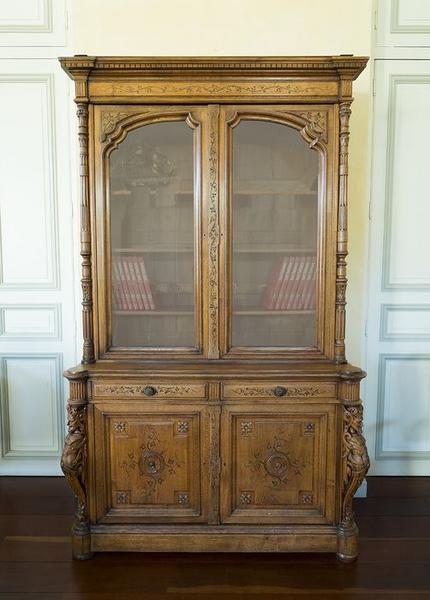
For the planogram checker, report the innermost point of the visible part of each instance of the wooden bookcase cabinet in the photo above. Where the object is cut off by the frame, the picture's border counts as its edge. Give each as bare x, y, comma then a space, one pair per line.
214, 409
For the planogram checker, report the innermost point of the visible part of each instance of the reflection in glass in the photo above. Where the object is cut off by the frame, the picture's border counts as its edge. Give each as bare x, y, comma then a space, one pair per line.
274, 214
152, 236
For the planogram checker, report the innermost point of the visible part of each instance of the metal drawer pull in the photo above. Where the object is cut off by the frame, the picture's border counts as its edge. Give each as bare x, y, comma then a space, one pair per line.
149, 391
279, 391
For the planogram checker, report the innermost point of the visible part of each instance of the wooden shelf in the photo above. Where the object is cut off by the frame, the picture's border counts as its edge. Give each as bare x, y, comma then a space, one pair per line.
153, 250
154, 313
272, 250
271, 313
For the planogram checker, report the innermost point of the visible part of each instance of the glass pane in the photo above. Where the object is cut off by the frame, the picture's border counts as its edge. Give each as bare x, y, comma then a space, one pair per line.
274, 213
152, 236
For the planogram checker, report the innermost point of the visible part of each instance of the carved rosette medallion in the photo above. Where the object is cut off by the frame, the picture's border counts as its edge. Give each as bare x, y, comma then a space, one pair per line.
153, 464
355, 458
277, 463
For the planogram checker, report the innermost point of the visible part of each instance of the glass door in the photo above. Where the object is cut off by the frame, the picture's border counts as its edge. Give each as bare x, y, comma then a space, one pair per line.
153, 203
273, 201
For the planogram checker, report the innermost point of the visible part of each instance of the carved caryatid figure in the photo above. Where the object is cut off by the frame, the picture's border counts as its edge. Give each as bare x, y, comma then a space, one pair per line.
73, 462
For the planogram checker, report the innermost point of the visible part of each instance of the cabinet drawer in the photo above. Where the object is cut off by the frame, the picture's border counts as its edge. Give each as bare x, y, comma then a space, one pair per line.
278, 389
150, 389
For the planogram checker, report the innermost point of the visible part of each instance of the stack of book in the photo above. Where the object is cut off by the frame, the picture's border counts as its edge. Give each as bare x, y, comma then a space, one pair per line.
292, 284
130, 285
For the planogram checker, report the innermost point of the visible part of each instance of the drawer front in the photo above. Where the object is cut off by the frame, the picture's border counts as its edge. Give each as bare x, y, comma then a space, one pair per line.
151, 465
150, 389
278, 389
278, 464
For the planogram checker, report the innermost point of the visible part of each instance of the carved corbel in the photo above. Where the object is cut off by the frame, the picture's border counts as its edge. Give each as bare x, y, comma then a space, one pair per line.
355, 464
74, 460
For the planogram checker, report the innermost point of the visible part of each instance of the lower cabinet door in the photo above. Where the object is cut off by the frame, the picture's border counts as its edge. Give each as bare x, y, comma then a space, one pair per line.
150, 465
278, 464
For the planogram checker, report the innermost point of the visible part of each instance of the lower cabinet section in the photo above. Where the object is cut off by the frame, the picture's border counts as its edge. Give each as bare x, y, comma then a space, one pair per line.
152, 465
278, 464
181, 463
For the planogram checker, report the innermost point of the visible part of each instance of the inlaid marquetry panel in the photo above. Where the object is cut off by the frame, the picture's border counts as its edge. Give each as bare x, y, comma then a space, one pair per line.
278, 389
149, 389
201, 89
154, 463
277, 466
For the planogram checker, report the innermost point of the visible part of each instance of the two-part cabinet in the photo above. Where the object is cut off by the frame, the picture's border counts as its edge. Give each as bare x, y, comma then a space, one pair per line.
214, 409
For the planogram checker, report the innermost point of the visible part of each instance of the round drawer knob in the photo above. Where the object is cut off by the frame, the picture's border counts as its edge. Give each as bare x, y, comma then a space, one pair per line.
149, 391
279, 391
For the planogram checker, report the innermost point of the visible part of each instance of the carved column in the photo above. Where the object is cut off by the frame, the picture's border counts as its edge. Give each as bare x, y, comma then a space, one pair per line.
342, 231
355, 463
74, 461
86, 281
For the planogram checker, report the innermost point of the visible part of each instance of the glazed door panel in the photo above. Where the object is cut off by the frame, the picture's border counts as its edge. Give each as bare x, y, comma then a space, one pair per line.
154, 464
278, 464
274, 252
149, 175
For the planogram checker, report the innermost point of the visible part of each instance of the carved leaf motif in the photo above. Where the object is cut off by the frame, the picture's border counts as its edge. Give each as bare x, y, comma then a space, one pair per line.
316, 128
266, 391
109, 121
201, 89
213, 231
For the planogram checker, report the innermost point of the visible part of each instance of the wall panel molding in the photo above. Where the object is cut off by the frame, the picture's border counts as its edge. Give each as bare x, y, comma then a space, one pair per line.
29, 231
393, 216
407, 322
32, 405
30, 322
33, 23
403, 407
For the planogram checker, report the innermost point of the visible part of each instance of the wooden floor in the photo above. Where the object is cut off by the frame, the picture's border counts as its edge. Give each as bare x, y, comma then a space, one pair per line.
35, 563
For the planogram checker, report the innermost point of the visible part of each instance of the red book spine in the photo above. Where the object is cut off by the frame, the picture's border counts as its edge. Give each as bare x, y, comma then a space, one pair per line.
119, 285
272, 288
116, 300
288, 284
285, 280
290, 301
126, 292
146, 284
311, 287
140, 294
298, 299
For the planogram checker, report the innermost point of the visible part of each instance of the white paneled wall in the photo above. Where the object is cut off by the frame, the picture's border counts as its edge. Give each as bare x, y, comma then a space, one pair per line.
37, 271
398, 327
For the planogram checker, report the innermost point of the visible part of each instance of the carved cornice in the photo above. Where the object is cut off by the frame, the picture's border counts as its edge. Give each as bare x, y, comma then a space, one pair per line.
341, 66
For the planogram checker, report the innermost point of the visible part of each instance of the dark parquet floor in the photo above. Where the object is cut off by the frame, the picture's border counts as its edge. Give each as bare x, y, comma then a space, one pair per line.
36, 564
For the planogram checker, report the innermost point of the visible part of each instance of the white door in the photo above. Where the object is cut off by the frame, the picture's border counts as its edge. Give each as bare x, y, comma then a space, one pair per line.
37, 284
398, 328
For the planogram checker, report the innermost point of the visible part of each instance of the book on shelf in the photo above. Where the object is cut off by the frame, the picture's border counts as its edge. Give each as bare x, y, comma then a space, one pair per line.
131, 290
292, 284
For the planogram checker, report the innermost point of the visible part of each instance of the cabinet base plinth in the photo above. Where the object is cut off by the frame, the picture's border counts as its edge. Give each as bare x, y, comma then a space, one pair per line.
217, 541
